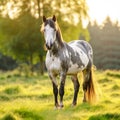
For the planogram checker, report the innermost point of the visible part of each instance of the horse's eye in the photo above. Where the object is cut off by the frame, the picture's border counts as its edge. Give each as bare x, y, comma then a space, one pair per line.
44, 30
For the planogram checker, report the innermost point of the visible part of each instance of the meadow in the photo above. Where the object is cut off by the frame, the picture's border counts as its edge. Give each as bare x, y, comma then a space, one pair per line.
31, 98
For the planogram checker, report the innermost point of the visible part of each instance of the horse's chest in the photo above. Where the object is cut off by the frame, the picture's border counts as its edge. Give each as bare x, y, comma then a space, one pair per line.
53, 63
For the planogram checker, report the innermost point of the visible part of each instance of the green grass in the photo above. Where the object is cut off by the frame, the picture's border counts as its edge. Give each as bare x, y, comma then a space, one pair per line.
31, 98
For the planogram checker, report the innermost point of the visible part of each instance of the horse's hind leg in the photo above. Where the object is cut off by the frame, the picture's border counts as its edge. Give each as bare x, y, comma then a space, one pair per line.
76, 89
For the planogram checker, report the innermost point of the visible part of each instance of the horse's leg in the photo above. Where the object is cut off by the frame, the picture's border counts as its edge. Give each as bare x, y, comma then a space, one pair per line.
76, 89
55, 89
61, 89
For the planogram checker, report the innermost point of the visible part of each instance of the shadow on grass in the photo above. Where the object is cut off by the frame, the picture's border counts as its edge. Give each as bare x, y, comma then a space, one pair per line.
107, 102
117, 95
105, 80
86, 107
28, 114
107, 116
9, 116
5, 97
115, 87
116, 75
12, 90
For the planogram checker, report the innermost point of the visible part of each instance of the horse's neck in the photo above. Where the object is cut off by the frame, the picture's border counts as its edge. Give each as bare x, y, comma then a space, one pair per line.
59, 39
58, 44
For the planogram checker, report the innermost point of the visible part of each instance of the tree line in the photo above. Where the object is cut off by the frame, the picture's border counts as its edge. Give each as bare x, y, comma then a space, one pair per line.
105, 41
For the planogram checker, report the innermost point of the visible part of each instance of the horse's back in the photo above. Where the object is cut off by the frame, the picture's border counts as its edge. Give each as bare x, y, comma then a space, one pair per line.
78, 58
83, 45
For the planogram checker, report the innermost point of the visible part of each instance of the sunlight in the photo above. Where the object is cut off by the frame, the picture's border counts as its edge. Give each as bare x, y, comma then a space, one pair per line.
10, 9
99, 9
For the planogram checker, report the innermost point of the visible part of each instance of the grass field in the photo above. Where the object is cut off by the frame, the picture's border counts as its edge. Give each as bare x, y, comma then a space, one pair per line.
31, 98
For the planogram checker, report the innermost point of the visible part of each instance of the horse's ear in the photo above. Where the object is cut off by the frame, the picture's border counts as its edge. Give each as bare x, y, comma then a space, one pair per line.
44, 19
54, 18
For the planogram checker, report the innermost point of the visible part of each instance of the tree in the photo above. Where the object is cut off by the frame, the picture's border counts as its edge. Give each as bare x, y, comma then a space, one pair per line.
106, 41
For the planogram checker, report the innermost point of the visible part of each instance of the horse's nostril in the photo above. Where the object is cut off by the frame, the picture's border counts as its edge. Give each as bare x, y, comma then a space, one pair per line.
48, 47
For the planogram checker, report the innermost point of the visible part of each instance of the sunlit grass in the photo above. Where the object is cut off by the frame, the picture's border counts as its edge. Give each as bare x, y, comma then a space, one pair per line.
31, 98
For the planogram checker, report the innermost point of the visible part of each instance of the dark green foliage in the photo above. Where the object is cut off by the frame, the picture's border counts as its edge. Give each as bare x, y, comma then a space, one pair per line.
105, 80
107, 102
8, 117
29, 114
116, 87
7, 63
114, 75
106, 45
12, 90
115, 95
107, 116
4, 97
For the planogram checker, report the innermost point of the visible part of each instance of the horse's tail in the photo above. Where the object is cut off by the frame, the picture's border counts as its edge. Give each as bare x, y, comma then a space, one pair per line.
91, 94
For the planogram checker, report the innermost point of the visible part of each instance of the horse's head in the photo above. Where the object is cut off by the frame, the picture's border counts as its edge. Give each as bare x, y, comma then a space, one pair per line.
49, 29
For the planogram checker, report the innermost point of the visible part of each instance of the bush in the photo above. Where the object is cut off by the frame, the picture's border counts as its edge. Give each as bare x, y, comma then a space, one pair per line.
12, 90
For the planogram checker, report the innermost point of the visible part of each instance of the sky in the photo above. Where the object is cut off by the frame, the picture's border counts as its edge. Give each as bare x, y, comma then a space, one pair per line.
99, 9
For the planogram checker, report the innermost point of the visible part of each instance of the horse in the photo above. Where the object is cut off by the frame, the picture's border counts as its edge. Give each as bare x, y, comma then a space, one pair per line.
64, 59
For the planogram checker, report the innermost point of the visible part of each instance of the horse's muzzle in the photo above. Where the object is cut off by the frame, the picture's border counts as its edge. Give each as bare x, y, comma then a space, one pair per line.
48, 46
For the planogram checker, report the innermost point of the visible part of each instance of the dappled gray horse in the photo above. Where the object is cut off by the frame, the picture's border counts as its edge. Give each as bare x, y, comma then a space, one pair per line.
67, 59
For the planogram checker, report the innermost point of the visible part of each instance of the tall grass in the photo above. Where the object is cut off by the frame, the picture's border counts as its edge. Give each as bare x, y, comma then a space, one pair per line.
30, 98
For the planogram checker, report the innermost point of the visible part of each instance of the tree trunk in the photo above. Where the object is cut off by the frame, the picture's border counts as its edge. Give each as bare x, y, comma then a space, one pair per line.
31, 63
41, 65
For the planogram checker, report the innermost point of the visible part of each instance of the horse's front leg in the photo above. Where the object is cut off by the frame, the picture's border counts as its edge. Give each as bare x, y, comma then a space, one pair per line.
55, 89
61, 89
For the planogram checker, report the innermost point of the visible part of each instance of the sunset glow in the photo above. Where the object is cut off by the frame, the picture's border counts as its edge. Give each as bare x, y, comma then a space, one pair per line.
99, 9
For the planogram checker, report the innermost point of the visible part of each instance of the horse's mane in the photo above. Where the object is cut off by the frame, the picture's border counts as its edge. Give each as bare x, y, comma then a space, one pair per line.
59, 34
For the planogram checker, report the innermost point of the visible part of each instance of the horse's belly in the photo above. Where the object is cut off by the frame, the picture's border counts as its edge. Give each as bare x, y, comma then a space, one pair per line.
73, 69
78, 64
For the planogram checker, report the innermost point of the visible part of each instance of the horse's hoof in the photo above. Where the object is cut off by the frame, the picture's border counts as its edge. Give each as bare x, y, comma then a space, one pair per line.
74, 104
57, 106
61, 105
